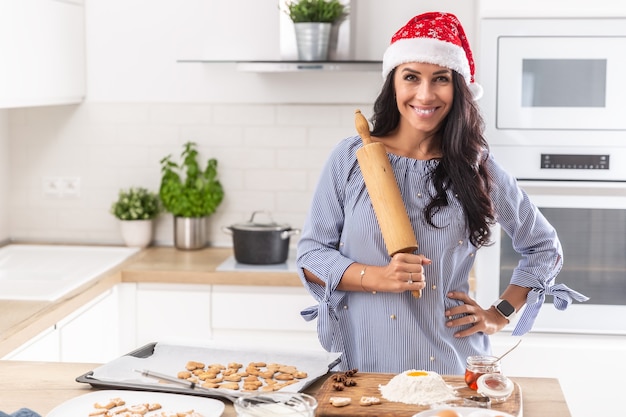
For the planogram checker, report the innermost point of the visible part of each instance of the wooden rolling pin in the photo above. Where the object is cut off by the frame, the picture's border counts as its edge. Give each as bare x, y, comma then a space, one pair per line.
382, 187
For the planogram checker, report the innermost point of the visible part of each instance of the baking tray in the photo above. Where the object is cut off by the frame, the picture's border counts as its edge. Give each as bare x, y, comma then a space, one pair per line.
169, 359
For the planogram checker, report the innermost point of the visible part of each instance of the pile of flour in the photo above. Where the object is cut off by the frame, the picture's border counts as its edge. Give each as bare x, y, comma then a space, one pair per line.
417, 387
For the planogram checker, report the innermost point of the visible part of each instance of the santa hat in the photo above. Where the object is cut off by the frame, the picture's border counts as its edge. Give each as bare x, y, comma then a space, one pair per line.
433, 38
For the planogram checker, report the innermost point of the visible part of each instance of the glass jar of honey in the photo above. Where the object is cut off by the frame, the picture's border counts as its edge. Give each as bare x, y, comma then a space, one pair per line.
480, 365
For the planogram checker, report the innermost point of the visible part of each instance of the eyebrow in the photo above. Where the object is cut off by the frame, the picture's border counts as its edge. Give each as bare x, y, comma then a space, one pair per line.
440, 72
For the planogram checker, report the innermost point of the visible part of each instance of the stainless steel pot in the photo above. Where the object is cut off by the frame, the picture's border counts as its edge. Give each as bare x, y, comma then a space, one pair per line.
261, 243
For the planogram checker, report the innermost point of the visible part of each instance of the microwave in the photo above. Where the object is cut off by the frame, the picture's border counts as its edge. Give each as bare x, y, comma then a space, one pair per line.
554, 98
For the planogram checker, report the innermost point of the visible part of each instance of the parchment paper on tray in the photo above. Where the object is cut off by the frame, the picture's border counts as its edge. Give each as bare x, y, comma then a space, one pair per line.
170, 359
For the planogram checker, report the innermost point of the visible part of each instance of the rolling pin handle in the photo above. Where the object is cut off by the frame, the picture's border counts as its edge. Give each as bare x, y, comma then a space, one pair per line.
362, 127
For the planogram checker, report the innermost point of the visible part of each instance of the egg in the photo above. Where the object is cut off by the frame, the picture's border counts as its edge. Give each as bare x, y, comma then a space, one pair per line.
417, 373
447, 413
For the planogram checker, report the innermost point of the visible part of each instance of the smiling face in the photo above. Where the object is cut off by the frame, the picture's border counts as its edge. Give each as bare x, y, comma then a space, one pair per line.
424, 94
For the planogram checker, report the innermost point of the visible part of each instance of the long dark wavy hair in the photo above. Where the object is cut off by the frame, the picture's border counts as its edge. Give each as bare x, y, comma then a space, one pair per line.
461, 168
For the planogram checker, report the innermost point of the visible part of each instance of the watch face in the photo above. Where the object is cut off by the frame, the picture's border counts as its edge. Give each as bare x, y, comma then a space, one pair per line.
505, 308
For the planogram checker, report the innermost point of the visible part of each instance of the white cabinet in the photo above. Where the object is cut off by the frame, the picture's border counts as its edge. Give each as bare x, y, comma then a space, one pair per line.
91, 333
42, 52
43, 347
131, 315
178, 313
197, 314
268, 316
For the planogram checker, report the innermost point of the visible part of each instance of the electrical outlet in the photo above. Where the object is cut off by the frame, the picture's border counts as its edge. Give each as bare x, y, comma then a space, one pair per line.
61, 187
51, 186
70, 187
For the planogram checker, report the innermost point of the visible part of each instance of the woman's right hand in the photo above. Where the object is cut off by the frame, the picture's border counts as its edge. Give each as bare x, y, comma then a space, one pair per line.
405, 272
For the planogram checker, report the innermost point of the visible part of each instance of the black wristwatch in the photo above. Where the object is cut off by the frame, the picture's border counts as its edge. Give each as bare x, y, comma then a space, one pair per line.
505, 309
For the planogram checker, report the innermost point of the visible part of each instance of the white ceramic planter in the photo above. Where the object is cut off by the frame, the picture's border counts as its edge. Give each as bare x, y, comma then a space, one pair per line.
137, 233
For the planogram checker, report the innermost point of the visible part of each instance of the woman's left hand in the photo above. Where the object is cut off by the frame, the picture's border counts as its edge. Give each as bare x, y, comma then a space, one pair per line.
480, 320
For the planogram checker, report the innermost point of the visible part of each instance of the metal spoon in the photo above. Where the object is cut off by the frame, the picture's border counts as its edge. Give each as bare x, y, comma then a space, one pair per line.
184, 382
509, 351
260, 399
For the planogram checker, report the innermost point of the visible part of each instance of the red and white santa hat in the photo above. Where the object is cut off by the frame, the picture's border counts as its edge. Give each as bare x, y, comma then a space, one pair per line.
433, 38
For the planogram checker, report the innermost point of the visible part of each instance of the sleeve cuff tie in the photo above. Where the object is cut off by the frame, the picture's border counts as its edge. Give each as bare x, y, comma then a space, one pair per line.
563, 297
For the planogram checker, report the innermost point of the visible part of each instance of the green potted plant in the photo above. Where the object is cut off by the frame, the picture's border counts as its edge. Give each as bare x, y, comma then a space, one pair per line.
136, 208
313, 20
191, 194
322, 11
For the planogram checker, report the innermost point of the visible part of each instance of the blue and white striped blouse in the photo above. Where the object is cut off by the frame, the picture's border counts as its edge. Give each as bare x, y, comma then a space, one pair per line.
393, 332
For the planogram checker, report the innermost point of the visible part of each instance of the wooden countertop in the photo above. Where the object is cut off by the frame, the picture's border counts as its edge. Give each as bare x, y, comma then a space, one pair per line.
168, 265
23, 320
41, 386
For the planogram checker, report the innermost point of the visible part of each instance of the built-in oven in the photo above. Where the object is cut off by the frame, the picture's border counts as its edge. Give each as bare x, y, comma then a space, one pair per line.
555, 96
591, 223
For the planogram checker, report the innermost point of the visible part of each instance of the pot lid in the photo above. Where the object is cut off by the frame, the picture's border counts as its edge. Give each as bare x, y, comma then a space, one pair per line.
265, 224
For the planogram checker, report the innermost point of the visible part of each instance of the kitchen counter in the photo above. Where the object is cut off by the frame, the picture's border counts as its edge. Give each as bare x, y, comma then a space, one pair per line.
23, 320
168, 265
41, 386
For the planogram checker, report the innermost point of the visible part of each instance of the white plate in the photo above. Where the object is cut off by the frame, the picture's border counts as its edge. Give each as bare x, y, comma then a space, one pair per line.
83, 405
465, 412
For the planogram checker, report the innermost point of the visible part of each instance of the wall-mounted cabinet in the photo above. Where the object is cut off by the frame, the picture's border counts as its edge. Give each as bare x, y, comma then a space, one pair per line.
42, 52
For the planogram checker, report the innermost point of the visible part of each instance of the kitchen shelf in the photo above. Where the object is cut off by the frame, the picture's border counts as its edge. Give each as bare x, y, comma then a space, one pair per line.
298, 66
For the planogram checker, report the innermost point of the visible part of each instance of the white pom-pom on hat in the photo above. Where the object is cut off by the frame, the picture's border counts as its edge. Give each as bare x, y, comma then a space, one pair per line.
477, 90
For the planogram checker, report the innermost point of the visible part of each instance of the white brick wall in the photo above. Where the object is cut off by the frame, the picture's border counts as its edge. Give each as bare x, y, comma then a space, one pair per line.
4, 175
269, 158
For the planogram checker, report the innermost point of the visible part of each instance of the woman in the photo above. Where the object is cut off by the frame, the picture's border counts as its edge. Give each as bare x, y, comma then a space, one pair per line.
453, 190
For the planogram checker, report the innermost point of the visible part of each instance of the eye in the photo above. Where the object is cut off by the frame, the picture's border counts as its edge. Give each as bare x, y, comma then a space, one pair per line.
442, 79
410, 77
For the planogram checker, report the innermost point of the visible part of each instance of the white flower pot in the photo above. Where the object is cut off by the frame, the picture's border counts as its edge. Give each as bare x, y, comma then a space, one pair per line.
137, 233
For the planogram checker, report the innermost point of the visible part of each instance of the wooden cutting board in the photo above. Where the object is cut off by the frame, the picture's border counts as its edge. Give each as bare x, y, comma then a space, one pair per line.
367, 385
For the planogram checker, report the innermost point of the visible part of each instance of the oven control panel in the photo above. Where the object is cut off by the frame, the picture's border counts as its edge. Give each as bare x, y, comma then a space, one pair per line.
564, 161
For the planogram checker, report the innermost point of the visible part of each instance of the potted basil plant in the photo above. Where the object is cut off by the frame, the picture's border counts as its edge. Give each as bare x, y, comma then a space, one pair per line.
313, 20
191, 193
136, 208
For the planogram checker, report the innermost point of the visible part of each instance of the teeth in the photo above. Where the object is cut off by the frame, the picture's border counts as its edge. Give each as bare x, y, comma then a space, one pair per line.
425, 111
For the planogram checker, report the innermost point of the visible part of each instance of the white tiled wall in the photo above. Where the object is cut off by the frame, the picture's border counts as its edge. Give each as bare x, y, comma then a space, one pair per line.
4, 175
269, 159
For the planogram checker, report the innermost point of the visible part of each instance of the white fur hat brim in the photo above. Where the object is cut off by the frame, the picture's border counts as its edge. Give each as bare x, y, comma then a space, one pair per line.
430, 51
